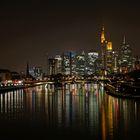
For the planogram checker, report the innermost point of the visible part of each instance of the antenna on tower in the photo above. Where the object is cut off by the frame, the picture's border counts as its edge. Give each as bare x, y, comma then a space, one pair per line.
124, 40
102, 35
27, 69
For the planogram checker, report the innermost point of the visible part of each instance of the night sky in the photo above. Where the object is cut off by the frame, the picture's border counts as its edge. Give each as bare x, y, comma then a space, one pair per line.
32, 30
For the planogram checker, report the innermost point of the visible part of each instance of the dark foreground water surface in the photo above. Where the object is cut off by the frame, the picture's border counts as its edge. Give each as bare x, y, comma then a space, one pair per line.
74, 111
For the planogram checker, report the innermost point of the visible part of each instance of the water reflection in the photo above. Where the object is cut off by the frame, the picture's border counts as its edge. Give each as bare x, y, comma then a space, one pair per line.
76, 108
11, 102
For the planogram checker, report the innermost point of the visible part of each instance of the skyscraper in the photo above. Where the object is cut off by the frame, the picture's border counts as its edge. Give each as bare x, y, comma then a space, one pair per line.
27, 69
52, 66
109, 57
68, 64
92, 56
103, 49
81, 63
106, 54
59, 64
125, 57
136, 63
36, 73
115, 61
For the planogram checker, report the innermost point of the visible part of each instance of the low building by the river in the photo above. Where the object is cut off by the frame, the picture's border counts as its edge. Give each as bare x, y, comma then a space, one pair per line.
5, 75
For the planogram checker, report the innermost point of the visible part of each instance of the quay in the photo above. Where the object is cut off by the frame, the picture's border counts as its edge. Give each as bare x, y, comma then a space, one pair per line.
25, 84
123, 91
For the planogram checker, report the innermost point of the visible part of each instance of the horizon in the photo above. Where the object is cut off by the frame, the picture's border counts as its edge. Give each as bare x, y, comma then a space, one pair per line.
30, 30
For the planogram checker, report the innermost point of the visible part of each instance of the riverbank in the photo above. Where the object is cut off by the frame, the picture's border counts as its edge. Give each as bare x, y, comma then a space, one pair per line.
113, 91
10, 88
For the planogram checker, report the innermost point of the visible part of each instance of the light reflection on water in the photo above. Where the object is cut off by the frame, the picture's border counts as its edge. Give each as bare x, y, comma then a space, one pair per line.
76, 108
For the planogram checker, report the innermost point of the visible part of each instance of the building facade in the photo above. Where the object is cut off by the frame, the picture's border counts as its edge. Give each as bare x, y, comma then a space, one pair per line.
91, 66
52, 66
109, 60
103, 49
125, 62
36, 73
69, 63
81, 63
58, 64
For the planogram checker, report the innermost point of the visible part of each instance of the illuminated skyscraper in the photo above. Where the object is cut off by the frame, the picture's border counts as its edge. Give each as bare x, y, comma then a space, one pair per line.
52, 66
109, 57
136, 63
103, 49
36, 72
86, 63
68, 64
59, 64
92, 56
81, 63
115, 61
27, 70
125, 57
102, 36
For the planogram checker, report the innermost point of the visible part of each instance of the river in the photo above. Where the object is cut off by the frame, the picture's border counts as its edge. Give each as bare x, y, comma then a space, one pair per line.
72, 111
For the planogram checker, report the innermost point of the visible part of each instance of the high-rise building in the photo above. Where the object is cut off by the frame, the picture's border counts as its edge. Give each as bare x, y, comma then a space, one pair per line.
27, 69
52, 66
136, 63
103, 49
68, 64
80, 64
86, 63
28, 75
115, 61
59, 64
125, 57
109, 57
91, 66
106, 54
36, 72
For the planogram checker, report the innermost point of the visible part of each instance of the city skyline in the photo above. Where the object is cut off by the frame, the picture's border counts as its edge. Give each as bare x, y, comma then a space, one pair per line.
30, 31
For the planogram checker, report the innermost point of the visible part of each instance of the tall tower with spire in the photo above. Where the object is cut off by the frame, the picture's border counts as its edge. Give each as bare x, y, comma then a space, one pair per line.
103, 49
124, 42
27, 70
102, 35
106, 53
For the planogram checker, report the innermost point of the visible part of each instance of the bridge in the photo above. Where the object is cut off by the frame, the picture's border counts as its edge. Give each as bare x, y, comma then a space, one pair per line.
75, 79
24, 84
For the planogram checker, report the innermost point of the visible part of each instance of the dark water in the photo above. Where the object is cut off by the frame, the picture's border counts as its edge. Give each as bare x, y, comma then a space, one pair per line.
71, 112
